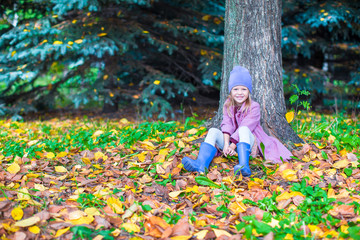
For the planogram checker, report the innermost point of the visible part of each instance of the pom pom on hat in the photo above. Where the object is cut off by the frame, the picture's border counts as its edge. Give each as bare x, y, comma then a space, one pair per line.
240, 76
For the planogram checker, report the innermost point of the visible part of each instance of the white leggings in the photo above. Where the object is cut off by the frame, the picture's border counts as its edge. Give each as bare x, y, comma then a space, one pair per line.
215, 136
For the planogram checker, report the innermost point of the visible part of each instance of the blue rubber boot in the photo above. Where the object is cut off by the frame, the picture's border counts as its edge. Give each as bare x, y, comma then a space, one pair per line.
243, 150
206, 155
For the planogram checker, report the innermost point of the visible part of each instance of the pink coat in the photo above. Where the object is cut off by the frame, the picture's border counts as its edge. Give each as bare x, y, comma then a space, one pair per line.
274, 149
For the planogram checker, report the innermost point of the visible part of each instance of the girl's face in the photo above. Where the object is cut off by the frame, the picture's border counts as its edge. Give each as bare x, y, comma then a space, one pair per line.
239, 94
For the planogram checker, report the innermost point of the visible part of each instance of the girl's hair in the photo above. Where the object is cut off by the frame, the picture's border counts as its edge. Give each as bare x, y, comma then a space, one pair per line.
230, 103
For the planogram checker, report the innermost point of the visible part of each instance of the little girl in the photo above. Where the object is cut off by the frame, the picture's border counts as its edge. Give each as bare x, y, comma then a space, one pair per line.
240, 129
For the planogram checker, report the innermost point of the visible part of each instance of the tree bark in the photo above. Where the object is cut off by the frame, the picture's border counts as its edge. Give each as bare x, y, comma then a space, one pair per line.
253, 40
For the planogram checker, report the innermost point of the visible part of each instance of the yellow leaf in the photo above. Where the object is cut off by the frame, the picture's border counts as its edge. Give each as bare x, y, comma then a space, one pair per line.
274, 223
34, 229
181, 144
124, 121
203, 52
164, 151
92, 211
27, 222
306, 159
341, 164
61, 232
201, 234
175, 194
181, 237
343, 152
287, 195
148, 145
330, 172
83, 220
86, 161
78, 41
115, 205
62, 154
156, 82
60, 169
23, 194
76, 215
344, 229
192, 131
319, 146
289, 116
50, 155
219, 233
169, 139
206, 17
289, 175
17, 213
141, 156
237, 207
58, 42
9, 228
40, 187
31, 143
130, 227
315, 230
13, 168
13, 53
331, 139
97, 133
98, 155
102, 34
289, 237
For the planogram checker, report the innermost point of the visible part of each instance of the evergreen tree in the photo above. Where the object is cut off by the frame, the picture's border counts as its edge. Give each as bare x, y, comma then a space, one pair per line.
109, 51
152, 53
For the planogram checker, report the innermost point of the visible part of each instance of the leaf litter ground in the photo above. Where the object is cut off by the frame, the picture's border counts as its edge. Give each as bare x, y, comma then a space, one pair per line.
93, 178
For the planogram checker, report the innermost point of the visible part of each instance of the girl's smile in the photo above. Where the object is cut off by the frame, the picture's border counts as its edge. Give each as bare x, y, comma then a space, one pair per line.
240, 94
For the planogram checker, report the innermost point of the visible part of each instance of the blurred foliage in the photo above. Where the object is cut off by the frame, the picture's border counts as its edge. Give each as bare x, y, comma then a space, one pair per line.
108, 53
321, 47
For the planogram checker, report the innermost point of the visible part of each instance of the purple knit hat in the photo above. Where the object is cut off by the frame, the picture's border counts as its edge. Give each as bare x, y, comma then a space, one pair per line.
240, 76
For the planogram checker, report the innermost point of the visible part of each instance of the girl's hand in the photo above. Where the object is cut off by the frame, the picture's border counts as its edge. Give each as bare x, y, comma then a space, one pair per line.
225, 149
229, 150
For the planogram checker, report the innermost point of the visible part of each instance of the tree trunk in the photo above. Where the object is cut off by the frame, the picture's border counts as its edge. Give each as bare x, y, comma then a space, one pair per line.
253, 40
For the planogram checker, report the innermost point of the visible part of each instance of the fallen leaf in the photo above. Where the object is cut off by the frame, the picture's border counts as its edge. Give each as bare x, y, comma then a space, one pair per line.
83, 220
60, 169
17, 213
287, 195
92, 211
13, 168
181, 228
175, 194
237, 207
219, 233
34, 229
27, 222
289, 175
19, 236
131, 227
201, 234
115, 205
289, 116
341, 164
61, 232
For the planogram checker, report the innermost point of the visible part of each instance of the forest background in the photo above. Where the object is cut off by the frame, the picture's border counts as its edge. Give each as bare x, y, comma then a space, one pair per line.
158, 55
91, 177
